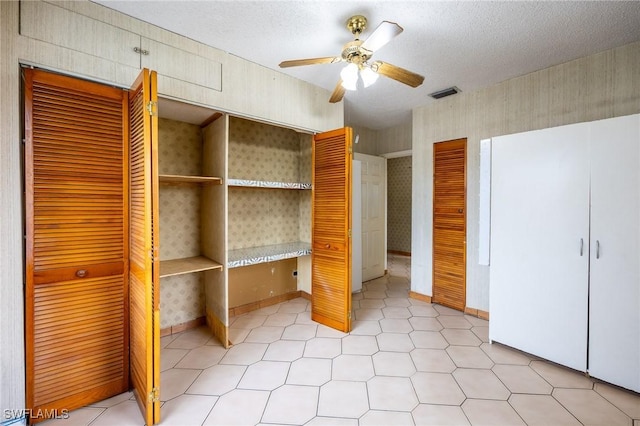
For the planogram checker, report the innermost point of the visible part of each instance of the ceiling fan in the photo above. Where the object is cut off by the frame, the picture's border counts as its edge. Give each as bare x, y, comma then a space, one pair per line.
358, 53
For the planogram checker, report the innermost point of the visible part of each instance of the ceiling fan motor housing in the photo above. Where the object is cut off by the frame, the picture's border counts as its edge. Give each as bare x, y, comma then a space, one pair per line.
353, 53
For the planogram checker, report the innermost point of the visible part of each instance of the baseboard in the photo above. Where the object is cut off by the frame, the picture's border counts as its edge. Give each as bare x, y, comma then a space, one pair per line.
477, 313
254, 306
177, 328
419, 296
398, 252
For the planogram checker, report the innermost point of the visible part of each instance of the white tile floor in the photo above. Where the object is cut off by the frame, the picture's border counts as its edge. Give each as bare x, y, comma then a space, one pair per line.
406, 362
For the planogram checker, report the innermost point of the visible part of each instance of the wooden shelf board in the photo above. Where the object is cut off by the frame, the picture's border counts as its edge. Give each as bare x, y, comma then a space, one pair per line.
173, 267
190, 179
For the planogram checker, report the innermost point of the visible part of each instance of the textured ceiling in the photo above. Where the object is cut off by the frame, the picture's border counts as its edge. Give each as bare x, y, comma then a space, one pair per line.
465, 44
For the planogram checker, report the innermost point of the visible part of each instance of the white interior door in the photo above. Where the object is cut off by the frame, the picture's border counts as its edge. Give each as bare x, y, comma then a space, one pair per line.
614, 300
539, 243
374, 220
356, 226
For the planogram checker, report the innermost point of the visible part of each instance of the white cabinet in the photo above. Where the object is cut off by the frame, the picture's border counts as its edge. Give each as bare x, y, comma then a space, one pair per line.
565, 246
614, 297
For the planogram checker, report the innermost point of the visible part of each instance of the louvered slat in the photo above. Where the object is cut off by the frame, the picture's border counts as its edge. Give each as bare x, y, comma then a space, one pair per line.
331, 251
449, 224
76, 220
144, 265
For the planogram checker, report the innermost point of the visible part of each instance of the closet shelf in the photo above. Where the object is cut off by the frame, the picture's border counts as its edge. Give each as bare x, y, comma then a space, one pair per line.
187, 265
270, 253
177, 179
267, 184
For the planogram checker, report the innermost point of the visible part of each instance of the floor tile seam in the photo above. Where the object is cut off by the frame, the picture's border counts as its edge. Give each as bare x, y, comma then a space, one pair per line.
555, 399
611, 402
107, 408
528, 366
593, 390
99, 415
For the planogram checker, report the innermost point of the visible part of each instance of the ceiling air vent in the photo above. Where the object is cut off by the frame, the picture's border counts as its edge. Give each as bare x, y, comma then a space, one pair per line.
444, 92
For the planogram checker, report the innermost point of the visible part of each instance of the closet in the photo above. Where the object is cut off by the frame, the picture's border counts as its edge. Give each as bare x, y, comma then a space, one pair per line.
565, 246
137, 205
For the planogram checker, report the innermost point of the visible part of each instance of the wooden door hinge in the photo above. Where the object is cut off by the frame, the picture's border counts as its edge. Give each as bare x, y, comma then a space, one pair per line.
154, 395
349, 233
152, 107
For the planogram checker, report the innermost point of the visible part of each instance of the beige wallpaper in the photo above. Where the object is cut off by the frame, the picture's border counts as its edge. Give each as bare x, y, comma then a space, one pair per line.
599, 86
180, 152
259, 217
383, 141
262, 152
399, 204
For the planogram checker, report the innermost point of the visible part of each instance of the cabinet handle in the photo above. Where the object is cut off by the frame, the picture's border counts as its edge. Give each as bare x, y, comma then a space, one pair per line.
327, 246
581, 246
141, 51
597, 249
81, 273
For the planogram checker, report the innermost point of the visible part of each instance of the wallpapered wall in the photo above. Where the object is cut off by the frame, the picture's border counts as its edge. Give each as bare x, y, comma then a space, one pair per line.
260, 217
256, 216
180, 152
399, 204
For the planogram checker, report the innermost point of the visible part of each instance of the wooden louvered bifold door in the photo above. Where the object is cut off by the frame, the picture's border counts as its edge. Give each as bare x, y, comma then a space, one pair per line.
331, 228
144, 301
449, 223
76, 220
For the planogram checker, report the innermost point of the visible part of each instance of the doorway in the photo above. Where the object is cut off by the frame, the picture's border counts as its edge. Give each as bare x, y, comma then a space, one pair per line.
449, 223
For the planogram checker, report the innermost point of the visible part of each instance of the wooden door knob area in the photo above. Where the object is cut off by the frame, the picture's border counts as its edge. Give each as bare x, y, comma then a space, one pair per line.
81, 273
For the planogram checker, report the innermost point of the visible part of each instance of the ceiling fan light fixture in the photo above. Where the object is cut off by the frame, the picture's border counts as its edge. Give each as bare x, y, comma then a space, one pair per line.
349, 76
368, 76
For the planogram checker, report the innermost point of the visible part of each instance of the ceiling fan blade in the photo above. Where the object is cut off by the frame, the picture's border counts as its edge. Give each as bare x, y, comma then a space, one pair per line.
338, 93
310, 61
383, 34
399, 74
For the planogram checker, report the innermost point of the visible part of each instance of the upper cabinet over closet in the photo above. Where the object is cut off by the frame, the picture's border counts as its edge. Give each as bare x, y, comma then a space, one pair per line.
88, 39
54, 24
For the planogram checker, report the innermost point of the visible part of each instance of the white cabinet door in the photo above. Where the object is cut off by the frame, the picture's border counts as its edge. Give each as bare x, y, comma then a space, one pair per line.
539, 243
614, 300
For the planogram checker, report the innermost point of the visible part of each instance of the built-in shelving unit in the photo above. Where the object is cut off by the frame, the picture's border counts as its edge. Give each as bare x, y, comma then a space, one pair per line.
269, 211
191, 204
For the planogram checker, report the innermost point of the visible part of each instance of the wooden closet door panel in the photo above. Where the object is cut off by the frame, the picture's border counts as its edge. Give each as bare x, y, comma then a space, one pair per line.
449, 223
331, 227
76, 241
144, 276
